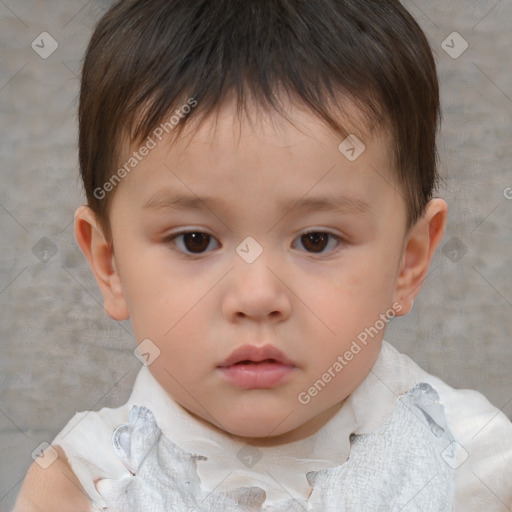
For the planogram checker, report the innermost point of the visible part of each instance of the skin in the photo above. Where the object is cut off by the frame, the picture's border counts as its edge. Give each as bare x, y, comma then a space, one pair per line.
55, 489
198, 308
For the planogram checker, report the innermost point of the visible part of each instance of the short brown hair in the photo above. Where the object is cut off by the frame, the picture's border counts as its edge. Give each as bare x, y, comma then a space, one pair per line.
146, 57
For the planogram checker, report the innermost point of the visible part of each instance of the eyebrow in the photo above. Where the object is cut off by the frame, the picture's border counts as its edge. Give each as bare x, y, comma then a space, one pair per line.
163, 200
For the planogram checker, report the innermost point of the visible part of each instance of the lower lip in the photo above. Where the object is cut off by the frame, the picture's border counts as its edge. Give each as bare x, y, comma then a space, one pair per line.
264, 375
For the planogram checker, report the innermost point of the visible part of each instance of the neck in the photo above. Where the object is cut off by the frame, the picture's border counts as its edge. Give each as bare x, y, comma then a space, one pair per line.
303, 431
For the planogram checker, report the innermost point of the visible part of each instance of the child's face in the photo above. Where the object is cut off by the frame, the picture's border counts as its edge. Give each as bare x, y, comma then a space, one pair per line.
308, 297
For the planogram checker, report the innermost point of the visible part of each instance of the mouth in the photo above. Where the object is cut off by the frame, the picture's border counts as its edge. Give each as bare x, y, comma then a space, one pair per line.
251, 367
248, 361
253, 354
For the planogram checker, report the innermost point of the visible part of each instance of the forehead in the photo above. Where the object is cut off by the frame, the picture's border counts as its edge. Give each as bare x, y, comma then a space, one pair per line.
254, 120
295, 133
261, 156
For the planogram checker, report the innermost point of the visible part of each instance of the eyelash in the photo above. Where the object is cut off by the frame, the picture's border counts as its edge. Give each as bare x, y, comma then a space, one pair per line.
171, 240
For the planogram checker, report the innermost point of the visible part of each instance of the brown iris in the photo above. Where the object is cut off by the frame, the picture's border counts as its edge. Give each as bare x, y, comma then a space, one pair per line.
196, 242
315, 242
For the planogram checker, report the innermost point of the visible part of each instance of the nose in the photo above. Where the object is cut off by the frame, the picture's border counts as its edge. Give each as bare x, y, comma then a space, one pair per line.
256, 292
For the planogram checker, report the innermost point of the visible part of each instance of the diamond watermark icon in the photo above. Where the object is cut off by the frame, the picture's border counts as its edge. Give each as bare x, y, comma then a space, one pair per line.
44, 250
146, 352
249, 455
454, 249
44, 45
454, 45
45, 455
249, 250
352, 147
454, 455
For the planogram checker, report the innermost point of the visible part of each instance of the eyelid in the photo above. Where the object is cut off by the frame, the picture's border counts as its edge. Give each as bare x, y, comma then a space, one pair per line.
173, 235
339, 239
184, 231
170, 237
319, 230
327, 231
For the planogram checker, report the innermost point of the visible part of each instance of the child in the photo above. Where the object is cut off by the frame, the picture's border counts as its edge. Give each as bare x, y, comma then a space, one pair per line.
260, 178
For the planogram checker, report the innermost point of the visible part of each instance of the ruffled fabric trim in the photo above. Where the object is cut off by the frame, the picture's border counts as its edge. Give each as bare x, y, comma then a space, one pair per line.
406, 465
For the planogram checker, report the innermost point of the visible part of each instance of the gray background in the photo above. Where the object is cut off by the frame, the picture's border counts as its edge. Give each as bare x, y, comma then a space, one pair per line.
60, 353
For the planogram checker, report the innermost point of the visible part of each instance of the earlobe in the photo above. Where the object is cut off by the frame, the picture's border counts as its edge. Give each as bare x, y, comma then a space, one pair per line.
100, 255
420, 245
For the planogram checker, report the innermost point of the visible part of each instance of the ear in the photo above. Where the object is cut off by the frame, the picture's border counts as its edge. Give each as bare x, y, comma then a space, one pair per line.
419, 249
100, 255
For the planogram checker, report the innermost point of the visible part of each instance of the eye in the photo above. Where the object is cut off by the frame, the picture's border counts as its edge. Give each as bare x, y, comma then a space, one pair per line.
192, 242
318, 241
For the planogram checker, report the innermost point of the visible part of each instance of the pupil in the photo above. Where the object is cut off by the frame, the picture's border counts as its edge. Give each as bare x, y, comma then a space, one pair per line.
196, 242
315, 242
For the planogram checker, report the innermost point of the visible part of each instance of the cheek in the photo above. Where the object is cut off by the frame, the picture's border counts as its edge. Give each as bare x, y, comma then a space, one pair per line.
356, 290
156, 294
169, 316
350, 303
184, 360
172, 315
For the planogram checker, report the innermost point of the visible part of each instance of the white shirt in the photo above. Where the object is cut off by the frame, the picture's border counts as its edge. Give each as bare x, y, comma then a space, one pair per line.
483, 469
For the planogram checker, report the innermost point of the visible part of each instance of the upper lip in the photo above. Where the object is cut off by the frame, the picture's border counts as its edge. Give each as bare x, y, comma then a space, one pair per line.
256, 354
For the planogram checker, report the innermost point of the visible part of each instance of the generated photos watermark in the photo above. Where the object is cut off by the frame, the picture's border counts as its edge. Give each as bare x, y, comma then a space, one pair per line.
156, 136
304, 397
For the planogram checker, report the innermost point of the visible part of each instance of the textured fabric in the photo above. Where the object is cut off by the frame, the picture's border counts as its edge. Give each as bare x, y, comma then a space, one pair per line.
401, 467
482, 446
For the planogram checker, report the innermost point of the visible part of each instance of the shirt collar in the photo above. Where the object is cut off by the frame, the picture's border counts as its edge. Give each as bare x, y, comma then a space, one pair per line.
281, 470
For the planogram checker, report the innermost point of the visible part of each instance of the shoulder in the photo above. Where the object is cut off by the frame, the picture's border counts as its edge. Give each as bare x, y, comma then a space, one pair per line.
483, 443
85, 455
53, 489
86, 442
482, 439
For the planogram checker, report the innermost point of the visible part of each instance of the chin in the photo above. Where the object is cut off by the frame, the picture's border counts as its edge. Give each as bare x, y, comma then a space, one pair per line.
260, 424
255, 429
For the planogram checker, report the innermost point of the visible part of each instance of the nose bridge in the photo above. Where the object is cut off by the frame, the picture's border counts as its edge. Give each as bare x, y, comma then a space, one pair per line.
255, 289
